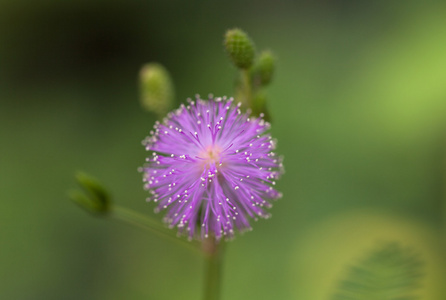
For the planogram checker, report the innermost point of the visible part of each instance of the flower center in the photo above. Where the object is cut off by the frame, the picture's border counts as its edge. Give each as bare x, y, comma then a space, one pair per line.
211, 155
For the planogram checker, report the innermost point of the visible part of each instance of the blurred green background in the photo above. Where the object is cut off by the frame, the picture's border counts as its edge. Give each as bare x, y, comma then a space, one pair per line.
359, 110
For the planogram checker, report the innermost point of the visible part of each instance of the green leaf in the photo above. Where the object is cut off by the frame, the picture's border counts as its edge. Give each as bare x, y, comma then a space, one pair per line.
390, 272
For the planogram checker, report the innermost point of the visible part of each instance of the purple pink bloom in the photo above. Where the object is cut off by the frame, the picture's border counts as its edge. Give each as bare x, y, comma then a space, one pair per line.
212, 168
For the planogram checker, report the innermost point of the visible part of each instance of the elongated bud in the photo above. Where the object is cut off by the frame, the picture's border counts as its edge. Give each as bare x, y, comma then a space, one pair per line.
259, 106
240, 48
263, 69
157, 91
96, 200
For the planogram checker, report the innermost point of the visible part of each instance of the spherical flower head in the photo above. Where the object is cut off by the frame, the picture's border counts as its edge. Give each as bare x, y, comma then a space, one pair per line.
212, 168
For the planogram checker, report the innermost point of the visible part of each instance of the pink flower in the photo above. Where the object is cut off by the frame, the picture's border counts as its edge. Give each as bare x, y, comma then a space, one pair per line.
212, 168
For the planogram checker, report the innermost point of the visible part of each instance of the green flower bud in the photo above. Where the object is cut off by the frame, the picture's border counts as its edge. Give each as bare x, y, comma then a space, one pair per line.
96, 200
263, 69
240, 48
157, 92
259, 106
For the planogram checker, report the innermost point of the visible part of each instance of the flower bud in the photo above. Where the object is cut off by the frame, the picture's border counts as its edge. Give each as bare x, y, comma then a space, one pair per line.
157, 92
240, 48
259, 106
264, 68
96, 200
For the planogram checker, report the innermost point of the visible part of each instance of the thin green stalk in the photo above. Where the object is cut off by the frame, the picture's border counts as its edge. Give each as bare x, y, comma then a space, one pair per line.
136, 219
213, 268
247, 89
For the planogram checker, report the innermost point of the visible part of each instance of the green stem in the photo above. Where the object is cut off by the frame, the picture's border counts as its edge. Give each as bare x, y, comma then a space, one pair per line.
214, 257
247, 89
136, 219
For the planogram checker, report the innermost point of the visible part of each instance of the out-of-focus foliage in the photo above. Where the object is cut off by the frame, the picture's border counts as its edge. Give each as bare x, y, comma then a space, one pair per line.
376, 241
390, 272
358, 103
